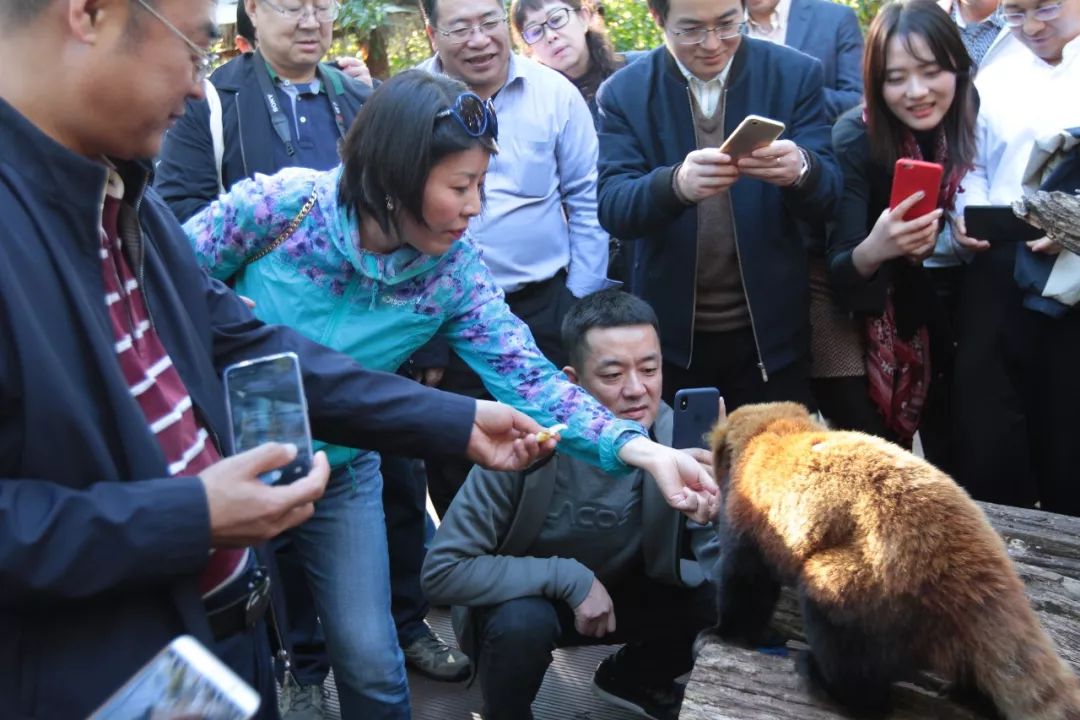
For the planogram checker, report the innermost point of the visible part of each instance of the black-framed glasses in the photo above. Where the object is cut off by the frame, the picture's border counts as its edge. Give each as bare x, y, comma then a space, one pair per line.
697, 35
203, 59
298, 13
556, 19
475, 115
1043, 13
460, 35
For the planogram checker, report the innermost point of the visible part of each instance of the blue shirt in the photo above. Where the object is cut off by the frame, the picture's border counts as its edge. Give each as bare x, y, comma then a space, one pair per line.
546, 164
311, 119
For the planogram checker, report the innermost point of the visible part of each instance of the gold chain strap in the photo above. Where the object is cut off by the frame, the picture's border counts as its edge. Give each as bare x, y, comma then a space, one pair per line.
287, 233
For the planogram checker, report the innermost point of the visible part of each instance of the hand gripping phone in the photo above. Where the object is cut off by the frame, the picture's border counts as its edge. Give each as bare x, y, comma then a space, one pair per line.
752, 133
266, 403
696, 411
182, 681
910, 176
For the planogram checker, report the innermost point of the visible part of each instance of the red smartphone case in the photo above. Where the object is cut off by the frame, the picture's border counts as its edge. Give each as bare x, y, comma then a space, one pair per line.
909, 177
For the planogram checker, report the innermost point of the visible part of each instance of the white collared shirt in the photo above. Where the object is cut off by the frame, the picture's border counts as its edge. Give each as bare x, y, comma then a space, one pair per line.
706, 92
777, 31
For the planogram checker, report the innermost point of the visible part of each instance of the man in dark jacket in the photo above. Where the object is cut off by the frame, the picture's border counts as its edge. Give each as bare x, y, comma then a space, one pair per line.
114, 510
277, 107
551, 556
719, 254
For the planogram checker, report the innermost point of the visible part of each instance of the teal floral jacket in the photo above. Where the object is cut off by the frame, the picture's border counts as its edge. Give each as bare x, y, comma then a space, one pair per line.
380, 308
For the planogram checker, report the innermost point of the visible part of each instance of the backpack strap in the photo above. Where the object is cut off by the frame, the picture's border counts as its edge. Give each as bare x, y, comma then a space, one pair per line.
217, 129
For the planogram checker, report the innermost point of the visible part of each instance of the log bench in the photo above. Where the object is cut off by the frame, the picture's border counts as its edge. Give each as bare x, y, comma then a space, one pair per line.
730, 682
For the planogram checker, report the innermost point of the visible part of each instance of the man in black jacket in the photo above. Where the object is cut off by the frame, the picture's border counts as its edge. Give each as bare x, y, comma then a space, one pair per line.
106, 533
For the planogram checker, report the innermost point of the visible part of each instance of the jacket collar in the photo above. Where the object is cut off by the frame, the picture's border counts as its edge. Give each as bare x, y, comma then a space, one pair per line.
55, 171
800, 16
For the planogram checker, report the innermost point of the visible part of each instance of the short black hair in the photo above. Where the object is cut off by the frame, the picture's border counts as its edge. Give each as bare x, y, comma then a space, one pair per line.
604, 309
660, 8
395, 141
244, 28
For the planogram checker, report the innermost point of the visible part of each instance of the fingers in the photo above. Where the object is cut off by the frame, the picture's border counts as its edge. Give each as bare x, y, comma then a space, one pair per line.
1045, 246
721, 415
265, 457
907, 203
309, 488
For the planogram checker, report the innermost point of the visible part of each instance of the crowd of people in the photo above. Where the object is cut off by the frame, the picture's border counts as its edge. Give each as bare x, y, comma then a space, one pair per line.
453, 235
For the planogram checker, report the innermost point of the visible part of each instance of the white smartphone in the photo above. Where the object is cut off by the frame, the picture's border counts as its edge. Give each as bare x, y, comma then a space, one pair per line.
266, 403
183, 681
752, 133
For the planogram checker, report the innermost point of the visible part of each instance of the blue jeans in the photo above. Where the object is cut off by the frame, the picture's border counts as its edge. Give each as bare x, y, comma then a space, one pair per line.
344, 551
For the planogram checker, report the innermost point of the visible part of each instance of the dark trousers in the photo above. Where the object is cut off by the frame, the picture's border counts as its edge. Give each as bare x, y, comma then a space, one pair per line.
729, 361
846, 403
1016, 393
515, 640
542, 307
248, 654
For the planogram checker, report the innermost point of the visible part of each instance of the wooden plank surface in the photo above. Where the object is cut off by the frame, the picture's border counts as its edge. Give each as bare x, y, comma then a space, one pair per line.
730, 682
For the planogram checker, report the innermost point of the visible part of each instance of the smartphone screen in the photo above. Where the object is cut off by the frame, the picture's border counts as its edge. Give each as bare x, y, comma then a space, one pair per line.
266, 403
182, 681
696, 411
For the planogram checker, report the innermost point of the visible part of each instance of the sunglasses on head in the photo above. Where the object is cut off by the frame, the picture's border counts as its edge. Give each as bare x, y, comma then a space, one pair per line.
475, 115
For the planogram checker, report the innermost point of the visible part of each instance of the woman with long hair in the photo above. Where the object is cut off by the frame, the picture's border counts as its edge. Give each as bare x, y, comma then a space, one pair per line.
920, 104
373, 258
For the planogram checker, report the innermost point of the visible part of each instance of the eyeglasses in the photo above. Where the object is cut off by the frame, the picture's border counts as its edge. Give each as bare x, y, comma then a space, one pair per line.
475, 115
696, 36
1043, 13
556, 19
203, 59
459, 35
299, 13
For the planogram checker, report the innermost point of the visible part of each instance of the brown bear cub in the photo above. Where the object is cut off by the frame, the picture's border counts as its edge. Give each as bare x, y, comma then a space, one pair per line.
897, 569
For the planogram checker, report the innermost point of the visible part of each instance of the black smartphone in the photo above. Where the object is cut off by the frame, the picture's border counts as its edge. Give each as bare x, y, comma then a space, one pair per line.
696, 411
266, 403
998, 223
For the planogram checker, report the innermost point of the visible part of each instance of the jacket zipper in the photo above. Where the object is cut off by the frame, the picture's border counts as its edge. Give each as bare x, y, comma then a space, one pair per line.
240, 137
738, 258
746, 294
693, 308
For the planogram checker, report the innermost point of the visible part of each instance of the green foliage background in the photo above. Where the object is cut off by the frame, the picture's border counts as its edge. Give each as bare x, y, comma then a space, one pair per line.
391, 37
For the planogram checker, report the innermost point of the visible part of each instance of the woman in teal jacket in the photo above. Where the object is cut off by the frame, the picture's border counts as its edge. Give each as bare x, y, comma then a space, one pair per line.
379, 264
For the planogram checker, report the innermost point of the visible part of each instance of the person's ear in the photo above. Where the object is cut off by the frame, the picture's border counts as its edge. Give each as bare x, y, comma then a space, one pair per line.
657, 19
249, 7
586, 15
85, 17
572, 374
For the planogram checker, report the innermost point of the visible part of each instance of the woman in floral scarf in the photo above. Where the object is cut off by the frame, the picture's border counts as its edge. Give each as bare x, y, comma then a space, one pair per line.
920, 104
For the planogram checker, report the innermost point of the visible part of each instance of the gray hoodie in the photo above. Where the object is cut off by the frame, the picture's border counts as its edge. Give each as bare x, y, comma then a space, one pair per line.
549, 531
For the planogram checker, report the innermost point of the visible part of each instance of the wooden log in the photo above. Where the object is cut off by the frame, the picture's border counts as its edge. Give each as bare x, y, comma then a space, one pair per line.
730, 682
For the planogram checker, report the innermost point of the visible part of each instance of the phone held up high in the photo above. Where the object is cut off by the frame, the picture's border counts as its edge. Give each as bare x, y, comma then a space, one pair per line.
696, 411
753, 132
910, 176
182, 681
266, 403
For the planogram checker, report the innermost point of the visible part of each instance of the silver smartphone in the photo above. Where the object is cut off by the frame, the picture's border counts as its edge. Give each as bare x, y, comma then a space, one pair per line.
266, 403
183, 681
752, 133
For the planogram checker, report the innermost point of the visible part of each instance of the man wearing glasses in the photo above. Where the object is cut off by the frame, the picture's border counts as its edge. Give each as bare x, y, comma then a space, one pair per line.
719, 254
1020, 328
539, 230
276, 108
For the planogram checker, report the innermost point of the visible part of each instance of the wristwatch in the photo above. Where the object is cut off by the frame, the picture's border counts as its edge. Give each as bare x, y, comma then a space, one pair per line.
804, 170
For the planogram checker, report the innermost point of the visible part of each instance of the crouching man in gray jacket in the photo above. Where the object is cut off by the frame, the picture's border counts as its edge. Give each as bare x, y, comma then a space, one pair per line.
551, 556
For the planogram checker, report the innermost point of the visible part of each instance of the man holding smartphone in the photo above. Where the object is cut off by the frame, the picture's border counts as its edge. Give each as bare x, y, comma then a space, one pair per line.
719, 255
120, 517
551, 556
